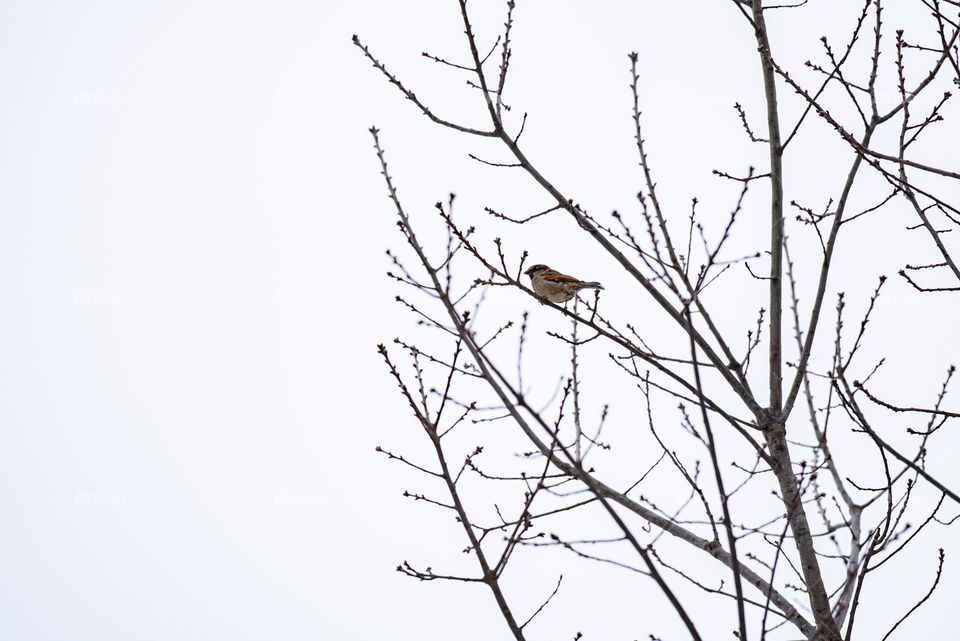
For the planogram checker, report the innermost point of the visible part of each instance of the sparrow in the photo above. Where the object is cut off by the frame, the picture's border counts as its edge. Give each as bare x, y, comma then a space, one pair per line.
556, 287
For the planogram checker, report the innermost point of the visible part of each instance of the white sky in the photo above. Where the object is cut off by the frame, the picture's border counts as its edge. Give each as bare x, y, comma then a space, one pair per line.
191, 292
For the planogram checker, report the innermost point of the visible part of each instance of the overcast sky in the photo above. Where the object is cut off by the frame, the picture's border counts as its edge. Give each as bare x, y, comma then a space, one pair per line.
192, 236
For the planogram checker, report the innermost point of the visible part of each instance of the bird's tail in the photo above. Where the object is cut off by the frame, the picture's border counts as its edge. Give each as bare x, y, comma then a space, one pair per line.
591, 285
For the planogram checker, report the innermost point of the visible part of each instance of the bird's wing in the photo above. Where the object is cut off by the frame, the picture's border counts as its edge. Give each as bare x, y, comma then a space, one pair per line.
557, 277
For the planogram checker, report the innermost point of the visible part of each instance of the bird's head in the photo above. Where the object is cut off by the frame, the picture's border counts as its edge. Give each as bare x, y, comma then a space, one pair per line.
539, 267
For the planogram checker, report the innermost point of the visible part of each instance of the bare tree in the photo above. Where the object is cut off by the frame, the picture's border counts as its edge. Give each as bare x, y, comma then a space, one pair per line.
797, 563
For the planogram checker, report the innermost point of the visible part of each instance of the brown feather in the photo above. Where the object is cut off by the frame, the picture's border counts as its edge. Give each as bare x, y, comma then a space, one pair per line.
557, 277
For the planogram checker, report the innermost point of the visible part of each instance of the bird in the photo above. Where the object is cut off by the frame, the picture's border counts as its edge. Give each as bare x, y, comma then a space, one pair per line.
555, 287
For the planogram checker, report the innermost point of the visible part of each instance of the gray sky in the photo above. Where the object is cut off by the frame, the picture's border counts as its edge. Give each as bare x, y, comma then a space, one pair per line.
192, 237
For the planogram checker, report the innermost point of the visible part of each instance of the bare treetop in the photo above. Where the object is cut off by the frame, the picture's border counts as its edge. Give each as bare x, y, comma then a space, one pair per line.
750, 425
